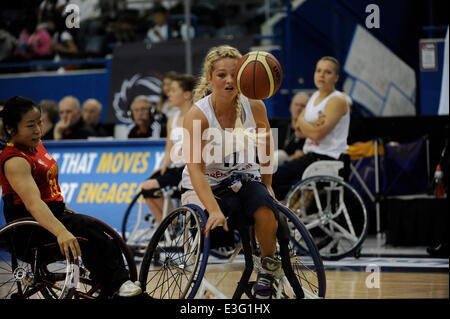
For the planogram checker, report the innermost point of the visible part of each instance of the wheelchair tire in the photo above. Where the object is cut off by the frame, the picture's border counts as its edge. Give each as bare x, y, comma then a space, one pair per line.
35, 268
176, 257
308, 267
137, 224
333, 212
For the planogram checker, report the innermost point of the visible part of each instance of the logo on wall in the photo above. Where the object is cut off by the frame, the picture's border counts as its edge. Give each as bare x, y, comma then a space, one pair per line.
130, 88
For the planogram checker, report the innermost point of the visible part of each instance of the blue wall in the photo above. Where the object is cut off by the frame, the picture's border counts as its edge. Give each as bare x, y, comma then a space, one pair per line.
326, 27
82, 84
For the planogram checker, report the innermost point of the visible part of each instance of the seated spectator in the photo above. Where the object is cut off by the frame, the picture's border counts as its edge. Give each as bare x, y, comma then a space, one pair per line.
34, 42
163, 105
325, 124
49, 117
2, 132
63, 42
293, 143
91, 111
71, 124
160, 31
147, 123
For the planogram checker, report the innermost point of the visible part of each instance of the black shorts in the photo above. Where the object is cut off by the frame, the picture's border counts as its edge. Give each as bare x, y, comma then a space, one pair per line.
239, 209
172, 177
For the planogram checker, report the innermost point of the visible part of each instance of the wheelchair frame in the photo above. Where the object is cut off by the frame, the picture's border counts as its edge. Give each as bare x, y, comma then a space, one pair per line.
166, 262
34, 276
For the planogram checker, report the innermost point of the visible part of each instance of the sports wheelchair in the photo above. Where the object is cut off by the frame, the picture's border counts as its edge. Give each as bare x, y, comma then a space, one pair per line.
34, 268
330, 208
176, 269
138, 223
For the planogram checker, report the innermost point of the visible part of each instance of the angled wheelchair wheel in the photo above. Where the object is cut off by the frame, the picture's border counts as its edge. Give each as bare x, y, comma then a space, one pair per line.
32, 267
333, 212
176, 257
138, 224
305, 261
89, 289
29, 269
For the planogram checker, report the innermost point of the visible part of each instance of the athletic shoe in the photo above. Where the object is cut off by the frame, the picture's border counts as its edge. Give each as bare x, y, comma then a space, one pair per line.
130, 289
263, 287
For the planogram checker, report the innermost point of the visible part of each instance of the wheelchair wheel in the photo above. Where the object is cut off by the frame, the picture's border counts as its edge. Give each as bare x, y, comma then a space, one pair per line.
175, 260
88, 289
32, 267
29, 270
333, 212
138, 224
305, 260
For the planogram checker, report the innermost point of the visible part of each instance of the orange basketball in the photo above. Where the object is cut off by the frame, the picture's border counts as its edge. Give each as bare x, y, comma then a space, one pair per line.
258, 75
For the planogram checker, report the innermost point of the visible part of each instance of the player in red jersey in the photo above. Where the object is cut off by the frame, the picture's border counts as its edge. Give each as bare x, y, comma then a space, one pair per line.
29, 179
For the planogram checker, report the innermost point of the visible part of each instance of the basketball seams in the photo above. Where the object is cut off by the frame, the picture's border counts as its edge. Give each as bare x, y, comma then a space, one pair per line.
265, 68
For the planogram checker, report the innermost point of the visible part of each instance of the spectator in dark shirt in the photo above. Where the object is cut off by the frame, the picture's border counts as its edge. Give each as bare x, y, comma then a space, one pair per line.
91, 112
49, 117
293, 143
71, 124
147, 122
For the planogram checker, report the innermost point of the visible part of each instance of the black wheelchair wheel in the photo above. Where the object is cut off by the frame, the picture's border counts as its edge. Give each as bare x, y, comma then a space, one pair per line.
176, 257
28, 269
304, 258
32, 267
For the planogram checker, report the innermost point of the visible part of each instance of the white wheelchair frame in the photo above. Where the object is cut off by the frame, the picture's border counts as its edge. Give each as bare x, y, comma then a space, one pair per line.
329, 170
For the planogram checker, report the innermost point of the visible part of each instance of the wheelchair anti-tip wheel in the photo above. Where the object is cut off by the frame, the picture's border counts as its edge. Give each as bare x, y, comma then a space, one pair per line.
333, 212
176, 257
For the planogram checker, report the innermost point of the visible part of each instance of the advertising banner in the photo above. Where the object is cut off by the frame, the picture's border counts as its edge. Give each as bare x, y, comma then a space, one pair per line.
100, 178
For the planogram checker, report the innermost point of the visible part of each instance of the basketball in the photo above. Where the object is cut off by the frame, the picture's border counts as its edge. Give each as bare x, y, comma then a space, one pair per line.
258, 75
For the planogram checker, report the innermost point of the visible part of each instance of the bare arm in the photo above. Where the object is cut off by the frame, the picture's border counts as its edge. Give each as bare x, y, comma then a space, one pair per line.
265, 145
18, 173
334, 110
169, 144
195, 121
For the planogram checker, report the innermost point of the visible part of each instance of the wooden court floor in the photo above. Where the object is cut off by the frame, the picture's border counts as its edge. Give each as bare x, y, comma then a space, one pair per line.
352, 285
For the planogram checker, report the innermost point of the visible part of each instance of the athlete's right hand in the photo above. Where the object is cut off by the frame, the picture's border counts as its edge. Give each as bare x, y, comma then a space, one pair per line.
215, 219
68, 245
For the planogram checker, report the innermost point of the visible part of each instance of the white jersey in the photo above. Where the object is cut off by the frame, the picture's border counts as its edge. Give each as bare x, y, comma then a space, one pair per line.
225, 149
176, 136
335, 142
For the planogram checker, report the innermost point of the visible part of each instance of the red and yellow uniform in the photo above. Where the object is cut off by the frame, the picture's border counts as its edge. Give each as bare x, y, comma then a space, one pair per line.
43, 169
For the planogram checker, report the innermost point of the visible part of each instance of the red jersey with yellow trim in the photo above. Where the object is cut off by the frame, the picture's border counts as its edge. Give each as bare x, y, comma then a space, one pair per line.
43, 169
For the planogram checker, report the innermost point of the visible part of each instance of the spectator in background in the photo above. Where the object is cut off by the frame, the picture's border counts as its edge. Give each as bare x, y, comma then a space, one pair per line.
325, 124
63, 42
49, 117
293, 143
89, 37
163, 105
35, 42
51, 10
71, 124
160, 31
2, 131
91, 111
145, 124
7, 45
